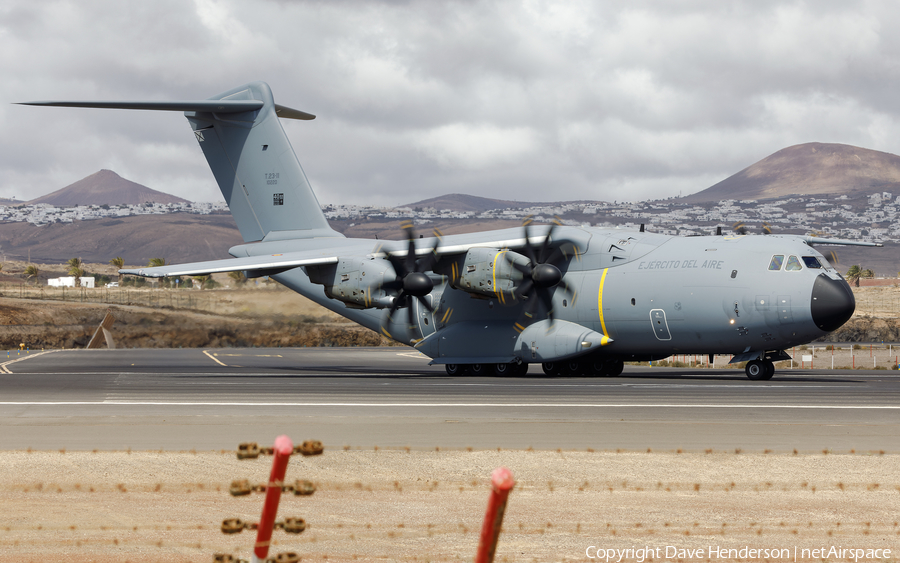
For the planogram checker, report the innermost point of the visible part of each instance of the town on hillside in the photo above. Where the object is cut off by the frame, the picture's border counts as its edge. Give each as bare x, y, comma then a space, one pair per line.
868, 217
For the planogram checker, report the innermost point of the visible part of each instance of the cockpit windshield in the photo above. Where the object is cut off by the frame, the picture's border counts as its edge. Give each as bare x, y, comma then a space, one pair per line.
793, 264
812, 262
776, 262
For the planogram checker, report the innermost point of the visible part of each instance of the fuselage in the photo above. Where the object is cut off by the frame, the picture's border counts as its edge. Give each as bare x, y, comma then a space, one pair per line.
651, 295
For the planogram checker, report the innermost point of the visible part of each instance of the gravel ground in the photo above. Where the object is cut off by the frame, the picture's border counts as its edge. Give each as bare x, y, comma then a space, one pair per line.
394, 505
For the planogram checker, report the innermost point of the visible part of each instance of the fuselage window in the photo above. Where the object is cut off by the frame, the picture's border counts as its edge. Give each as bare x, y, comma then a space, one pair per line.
812, 262
793, 264
776, 262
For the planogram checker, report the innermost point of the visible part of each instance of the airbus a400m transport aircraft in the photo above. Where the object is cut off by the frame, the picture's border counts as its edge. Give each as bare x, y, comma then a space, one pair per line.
577, 300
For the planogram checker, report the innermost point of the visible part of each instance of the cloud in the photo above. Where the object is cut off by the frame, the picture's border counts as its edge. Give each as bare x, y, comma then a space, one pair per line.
501, 98
474, 147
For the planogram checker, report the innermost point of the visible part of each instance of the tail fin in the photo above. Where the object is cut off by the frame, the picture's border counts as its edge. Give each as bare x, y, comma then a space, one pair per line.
257, 170
251, 158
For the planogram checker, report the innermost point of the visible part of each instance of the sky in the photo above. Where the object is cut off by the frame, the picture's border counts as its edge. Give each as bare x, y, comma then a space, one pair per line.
525, 100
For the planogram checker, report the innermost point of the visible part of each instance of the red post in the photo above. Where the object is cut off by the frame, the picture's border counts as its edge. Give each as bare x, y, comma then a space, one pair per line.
283, 449
502, 482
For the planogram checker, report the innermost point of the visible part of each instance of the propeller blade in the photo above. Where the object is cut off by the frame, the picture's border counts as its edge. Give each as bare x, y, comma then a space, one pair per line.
411, 250
526, 269
427, 263
570, 291
524, 290
547, 302
397, 264
529, 250
426, 304
393, 285
411, 315
545, 246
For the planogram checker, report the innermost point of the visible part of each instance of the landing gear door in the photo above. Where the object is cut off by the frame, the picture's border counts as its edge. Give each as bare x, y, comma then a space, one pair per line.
424, 318
660, 326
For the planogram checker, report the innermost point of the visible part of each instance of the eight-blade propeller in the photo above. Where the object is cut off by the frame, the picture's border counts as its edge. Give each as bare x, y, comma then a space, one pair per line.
411, 281
540, 276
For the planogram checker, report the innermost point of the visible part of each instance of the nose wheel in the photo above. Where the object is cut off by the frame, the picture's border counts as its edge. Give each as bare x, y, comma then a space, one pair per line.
760, 370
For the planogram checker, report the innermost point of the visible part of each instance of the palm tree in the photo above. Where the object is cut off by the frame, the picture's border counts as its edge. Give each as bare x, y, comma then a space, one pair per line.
119, 263
156, 263
853, 275
202, 280
76, 269
31, 272
238, 276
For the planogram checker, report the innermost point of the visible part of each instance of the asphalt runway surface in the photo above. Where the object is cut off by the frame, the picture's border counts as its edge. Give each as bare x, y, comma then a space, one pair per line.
183, 399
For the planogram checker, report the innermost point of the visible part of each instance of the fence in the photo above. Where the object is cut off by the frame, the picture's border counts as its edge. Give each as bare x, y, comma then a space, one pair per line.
149, 297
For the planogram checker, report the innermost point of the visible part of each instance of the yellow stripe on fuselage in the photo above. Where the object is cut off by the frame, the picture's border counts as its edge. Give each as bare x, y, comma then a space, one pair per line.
600, 302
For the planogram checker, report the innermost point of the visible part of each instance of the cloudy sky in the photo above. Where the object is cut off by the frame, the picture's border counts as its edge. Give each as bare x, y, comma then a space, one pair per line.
529, 100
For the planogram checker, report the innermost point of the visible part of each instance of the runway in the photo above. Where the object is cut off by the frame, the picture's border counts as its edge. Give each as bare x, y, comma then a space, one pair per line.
183, 399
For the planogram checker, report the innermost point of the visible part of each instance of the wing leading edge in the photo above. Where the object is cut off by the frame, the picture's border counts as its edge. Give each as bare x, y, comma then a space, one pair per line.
255, 265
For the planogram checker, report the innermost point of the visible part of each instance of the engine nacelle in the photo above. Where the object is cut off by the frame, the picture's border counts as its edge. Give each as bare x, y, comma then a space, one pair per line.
355, 281
484, 272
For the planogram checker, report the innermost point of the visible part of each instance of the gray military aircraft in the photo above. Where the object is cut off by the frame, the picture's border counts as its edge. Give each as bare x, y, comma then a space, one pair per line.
577, 300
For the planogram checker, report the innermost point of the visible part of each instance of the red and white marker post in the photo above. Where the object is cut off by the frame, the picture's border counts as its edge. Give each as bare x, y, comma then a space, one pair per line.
502, 482
283, 450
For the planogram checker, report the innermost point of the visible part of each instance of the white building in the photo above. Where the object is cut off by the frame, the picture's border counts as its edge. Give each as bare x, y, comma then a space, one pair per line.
69, 281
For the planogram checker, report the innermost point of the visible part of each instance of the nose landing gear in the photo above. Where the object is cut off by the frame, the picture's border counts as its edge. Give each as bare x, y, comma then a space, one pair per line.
760, 370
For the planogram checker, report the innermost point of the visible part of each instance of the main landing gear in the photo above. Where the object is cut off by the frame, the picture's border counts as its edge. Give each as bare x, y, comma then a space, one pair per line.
589, 368
598, 368
760, 370
500, 370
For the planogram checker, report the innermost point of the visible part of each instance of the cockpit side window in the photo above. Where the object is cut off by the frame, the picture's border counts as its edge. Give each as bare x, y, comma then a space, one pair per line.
812, 262
793, 264
776, 262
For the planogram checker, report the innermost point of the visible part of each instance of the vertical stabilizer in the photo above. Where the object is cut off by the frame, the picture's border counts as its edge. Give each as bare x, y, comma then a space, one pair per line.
251, 158
256, 168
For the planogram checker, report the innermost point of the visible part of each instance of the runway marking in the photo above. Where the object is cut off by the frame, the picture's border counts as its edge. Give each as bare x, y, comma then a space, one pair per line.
4, 369
253, 355
415, 355
213, 358
491, 405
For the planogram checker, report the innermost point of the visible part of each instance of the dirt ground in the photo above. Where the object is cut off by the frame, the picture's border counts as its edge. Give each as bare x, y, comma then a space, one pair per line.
393, 505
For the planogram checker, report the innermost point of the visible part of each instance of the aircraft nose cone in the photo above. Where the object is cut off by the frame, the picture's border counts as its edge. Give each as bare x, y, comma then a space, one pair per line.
417, 284
832, 303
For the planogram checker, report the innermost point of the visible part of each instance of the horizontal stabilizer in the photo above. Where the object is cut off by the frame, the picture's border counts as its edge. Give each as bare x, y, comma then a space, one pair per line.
271, 264
210, 106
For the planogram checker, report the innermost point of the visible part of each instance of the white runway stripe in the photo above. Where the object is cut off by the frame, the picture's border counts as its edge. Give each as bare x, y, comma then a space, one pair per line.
490, 405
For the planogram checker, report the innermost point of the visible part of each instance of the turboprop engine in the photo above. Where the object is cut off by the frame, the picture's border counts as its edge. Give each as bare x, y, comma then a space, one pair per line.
356, 282
486, 272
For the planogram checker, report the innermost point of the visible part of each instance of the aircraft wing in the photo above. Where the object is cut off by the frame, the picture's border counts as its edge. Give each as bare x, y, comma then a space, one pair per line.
256, 266
819, 240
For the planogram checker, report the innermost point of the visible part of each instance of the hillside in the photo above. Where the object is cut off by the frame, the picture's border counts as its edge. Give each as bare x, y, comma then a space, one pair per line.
105, 187
465, 202
177, 237
810, 168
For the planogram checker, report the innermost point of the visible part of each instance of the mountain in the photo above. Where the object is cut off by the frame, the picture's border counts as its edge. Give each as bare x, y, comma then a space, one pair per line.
810, 168
177, 237
106, 187
465, 202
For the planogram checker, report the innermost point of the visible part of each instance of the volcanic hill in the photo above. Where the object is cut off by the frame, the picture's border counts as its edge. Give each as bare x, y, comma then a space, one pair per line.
105, 187
808, 169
